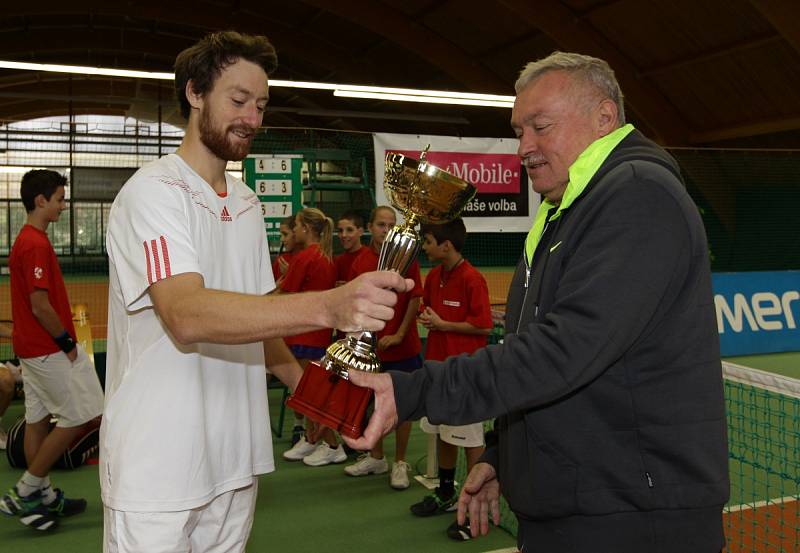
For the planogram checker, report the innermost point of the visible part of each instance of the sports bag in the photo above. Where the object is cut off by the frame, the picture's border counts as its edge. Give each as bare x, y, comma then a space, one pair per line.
85, 446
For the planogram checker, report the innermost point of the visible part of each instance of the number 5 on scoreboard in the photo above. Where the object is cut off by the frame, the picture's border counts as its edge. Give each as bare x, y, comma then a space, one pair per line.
276, 209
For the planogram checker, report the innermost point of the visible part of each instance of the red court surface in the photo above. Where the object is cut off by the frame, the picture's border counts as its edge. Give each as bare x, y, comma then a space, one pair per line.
772, 528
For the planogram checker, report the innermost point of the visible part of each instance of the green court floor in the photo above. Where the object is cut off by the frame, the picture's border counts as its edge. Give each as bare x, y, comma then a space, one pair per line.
787, 363
300, 509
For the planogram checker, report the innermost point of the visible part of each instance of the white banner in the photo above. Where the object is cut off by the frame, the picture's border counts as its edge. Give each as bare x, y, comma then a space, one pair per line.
504, 202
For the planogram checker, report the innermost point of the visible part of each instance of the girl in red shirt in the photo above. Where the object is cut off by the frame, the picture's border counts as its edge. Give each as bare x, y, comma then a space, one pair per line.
288, 249
312, 268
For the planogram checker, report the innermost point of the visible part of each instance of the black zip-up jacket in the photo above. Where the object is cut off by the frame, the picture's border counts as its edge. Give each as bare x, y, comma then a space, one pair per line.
608, 386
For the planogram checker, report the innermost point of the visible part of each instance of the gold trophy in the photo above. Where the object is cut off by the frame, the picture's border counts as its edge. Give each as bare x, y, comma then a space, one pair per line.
423, 193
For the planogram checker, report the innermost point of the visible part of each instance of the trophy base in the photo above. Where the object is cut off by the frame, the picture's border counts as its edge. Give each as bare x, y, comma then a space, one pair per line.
327, 398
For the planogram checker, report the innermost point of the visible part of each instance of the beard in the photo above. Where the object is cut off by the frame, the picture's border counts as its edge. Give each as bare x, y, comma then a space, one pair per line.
219, 141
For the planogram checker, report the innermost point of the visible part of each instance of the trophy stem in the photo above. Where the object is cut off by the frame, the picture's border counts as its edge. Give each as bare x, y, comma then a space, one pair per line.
399, 249
411, 219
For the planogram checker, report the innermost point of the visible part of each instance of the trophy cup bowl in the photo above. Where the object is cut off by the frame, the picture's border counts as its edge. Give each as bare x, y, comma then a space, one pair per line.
417, 188
423, 193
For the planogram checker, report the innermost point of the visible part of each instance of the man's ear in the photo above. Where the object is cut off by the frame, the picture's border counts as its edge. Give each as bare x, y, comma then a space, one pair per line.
195, 99
606, 117
39, 200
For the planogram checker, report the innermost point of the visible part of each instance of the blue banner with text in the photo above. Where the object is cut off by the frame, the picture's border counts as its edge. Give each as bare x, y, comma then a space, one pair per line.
757, 312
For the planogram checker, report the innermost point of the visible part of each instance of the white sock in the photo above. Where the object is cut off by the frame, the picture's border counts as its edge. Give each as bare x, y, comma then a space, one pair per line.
48, 494
28, 484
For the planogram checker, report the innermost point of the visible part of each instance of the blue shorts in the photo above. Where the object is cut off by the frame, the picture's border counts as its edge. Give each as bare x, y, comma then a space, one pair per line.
403, 365
307, 352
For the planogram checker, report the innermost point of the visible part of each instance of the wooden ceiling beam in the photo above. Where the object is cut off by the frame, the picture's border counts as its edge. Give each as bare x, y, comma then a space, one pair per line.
755, 128
710, 55
185, 15
784, 15
399, 29
575, 34
39, 44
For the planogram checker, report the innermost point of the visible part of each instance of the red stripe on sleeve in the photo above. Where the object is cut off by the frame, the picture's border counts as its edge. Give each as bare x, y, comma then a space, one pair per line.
165, 252
154, 247
149, 269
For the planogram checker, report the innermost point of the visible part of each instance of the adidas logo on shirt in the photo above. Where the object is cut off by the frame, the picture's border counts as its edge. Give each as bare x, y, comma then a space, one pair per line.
225, 216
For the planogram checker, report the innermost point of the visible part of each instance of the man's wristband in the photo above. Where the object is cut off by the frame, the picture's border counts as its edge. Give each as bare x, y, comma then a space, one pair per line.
65, 342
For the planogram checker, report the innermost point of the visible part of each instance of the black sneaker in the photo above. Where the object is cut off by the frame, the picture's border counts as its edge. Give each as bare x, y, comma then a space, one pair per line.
349, 450
297, 433
435, 504
65, 507
29, 509
458, 532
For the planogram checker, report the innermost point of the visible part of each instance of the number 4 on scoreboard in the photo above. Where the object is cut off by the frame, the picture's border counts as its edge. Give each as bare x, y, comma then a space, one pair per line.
273, 165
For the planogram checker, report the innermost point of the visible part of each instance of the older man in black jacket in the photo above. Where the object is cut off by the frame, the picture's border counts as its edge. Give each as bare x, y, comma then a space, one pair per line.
608, 387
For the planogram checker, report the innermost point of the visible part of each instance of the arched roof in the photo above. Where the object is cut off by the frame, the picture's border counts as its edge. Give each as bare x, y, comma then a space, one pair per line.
710, 73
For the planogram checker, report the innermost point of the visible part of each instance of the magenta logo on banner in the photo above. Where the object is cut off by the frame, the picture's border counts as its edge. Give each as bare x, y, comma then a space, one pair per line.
490, 173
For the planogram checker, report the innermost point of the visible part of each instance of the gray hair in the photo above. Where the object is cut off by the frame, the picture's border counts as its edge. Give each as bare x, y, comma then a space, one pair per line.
592, 71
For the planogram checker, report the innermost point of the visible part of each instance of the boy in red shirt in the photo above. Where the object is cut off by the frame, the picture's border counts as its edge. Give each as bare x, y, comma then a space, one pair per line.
350, 228
458, 317
58, 377
398, 348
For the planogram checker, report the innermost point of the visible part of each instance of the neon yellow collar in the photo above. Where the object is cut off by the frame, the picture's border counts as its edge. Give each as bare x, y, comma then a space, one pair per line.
580, 173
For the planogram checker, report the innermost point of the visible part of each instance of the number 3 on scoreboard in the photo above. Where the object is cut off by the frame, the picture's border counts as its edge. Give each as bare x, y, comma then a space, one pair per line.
269, 187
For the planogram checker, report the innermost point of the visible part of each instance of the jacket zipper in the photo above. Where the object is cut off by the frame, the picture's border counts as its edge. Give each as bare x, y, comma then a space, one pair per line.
525, 297
528, 279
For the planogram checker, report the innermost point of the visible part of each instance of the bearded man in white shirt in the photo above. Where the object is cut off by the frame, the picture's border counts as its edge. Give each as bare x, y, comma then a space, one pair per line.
185, 429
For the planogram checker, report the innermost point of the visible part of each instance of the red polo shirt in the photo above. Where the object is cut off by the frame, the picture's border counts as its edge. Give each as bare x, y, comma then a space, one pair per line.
344, 262
276, 265
367, 261
310, 270
34, 266
460, 296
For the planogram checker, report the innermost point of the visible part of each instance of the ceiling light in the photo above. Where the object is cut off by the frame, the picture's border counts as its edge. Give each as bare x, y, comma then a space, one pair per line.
82, 70
423, 99
431, 93
303, 84
344, 90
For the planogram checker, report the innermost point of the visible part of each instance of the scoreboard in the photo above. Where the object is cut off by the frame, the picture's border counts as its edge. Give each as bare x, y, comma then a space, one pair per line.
277, 182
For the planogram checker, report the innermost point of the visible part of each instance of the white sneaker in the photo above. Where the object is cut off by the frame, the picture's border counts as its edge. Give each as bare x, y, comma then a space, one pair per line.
3, 438
399, 479
367, 464
299, 450
325, 455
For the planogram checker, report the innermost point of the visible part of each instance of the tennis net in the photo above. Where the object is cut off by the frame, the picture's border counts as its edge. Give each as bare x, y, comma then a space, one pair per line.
763, 411
764, 449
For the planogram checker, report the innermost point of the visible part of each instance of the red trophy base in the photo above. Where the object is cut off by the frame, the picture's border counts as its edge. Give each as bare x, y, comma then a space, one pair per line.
327, 398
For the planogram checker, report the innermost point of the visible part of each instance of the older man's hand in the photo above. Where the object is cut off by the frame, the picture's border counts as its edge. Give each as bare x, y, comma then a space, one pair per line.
384, 416
480, 497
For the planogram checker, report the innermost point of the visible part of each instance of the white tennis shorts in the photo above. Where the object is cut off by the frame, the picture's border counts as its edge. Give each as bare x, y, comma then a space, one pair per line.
223, 525
56, 386
468, 435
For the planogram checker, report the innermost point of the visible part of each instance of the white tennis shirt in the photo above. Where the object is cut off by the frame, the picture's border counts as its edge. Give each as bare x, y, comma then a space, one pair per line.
182, 424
